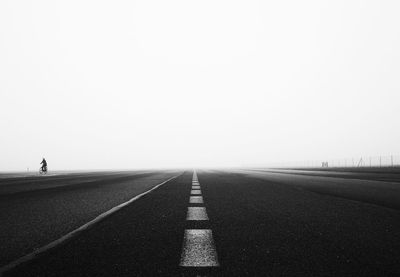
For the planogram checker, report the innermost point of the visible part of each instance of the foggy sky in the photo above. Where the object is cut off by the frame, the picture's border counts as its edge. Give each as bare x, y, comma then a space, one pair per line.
136, 84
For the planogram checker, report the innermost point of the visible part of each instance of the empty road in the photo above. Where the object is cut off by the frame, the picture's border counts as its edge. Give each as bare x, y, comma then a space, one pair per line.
206, 223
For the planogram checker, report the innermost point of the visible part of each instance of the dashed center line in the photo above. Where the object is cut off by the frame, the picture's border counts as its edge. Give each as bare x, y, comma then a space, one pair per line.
196, 213
195, 192
198, 244
196, 200
199, 249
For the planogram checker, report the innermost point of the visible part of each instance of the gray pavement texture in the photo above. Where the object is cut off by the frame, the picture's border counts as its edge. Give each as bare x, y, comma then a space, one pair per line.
143, 239
344, 186
265, 228
40, 210
263, 224
387, 174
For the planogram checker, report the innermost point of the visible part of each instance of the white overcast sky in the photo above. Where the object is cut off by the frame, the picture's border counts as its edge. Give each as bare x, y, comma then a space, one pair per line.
133, 84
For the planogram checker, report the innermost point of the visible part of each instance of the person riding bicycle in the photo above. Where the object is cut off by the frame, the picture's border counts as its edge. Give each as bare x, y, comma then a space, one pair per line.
44, 165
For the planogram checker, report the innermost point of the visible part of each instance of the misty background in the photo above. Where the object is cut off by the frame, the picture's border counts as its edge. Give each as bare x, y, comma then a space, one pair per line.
136, 84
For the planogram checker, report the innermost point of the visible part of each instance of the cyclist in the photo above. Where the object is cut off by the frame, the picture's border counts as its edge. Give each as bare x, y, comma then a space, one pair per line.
44, 165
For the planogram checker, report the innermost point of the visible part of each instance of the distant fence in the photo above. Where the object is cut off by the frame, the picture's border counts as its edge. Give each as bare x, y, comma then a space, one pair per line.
364, 161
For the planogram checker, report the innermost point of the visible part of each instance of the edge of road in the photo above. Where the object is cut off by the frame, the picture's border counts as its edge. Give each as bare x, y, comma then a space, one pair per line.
76, 232
322, 174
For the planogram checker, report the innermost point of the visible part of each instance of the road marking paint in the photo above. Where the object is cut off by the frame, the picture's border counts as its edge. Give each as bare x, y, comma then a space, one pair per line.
195, 191
195, 187
77, 231
199, 249
196, 200
196, 213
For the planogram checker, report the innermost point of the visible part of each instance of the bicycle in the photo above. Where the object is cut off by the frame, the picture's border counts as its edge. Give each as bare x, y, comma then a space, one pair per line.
43, 170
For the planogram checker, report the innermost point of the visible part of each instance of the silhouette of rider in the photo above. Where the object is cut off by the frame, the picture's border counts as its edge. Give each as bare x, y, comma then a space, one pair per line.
44, 164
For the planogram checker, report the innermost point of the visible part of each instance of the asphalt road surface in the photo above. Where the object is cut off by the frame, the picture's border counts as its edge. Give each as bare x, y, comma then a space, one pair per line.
215, 223
36, 210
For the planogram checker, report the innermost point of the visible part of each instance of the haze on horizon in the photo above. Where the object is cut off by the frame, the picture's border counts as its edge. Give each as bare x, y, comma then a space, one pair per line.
136, 84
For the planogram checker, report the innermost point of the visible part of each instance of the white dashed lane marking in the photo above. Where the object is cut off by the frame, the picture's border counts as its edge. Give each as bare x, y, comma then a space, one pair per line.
195, 192
196, 213
198, 244
199, 249
196, 200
